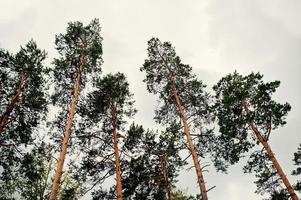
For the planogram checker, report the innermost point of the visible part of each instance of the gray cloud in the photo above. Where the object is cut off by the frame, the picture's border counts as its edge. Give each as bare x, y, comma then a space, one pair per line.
215, 37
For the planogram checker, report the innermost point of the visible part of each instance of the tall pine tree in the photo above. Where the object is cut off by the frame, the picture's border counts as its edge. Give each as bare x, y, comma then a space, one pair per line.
105, 110
247, 114
181, 94
23, 98
23, 104
80, 52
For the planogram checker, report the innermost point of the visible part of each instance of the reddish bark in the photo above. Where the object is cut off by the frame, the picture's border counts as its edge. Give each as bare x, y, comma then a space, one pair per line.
67, 132
181, 111
15, 99
116, 152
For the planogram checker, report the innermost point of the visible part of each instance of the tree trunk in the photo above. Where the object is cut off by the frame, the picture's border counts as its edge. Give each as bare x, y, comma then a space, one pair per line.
197, 166
10, 107
272, 157
165, 176
116, 153
67, 132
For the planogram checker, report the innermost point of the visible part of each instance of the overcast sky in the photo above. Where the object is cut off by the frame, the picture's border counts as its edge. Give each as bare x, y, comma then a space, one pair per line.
214, 37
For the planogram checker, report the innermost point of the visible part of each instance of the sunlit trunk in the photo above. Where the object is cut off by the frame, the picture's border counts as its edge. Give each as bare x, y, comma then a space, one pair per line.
272, 157
181, 111
67, 132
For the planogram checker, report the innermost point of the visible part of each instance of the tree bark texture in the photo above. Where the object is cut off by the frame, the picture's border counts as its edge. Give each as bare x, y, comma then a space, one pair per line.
67, 132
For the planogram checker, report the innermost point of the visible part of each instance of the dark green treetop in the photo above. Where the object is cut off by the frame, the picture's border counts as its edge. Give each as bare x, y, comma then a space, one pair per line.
79, 45
162, 60
164, 69
23, 104
266, 113
22, 89
143, 177
111, 96
243, 102
32, 177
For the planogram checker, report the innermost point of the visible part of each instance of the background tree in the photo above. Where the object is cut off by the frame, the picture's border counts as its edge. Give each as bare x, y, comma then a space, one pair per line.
23, 100
182, 97
243, 105
104, 111
23, 104
32, 178
297, 171
80, 52
180, 195
154, 164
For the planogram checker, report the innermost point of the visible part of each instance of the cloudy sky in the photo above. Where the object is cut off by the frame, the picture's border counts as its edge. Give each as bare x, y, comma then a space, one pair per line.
214, 37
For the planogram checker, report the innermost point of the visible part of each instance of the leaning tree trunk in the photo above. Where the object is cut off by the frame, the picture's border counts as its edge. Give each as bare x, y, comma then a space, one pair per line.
272, 157
165, 177
116, 152
10, 107
67, 132
181, 111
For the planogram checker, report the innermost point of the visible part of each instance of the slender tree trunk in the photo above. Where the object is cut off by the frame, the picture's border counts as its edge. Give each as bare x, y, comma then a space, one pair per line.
67, 132
116, 153
272, 157
165, 177
181, 111
10, 107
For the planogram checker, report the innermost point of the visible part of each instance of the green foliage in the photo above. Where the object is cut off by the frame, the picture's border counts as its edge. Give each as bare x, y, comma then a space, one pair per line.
297, 171
79, 42
163, 61
142, 176
236, 137
70, 188
268, 180
111, 96
180, 195
281, 195
29, 179
297, 161
31, 105
164, 70
26, 112
111, 89
80, 45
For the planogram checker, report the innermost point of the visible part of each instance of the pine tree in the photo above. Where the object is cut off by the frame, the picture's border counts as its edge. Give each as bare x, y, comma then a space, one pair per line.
142, 176
105, 110
154, 164
21, 89
23, 99
80, 52
247, 115
23, 105
182, 96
